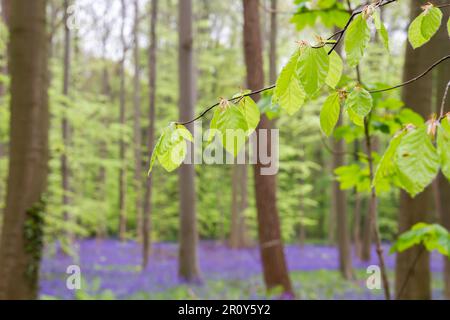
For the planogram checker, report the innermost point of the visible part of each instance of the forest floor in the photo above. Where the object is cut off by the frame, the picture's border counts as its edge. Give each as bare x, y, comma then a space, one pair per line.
111, 270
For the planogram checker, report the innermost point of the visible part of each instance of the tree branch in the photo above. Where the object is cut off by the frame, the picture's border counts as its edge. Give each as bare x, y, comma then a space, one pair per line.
434, 65
379, 4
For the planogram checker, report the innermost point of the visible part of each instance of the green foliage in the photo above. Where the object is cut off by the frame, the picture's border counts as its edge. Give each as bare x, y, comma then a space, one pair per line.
381, 29
448, 27
313, 65
289, 92
387, 167
433, 237
359, 104
335, 70
357, 39
353, 176
443, 144
329, 116
235, 123
417, 161
329, 12
425, 26
171, 148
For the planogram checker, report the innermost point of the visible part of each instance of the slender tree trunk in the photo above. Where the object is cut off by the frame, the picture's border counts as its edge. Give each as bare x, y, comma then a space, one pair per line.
188, 259
418, 97
271, 246
357, 225
442, 47
340, 212
235, 199
6, 7
21, 242
239, 204
137, 125
146, 248
65, 127
273, 48
122, 145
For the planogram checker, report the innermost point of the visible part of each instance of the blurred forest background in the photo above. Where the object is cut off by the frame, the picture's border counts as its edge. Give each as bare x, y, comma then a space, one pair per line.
114, 70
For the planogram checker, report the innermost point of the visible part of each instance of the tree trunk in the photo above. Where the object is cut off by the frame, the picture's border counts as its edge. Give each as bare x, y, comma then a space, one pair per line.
271, 246
188, 260
146, 248
6, 7
122, 146
238, 206
21, 242
273, 48
357, 226
137, 125
65, 129
340, 213
415, 261
442, 48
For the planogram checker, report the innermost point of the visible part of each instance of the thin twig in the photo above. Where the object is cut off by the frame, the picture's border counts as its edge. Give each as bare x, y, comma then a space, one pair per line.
232, 100
379, 4
373, 216
444, 99
434, 65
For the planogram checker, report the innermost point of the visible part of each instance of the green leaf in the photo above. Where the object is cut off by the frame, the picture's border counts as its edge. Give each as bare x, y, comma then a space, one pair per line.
289, 93
335, 70
353, 176
443, 143
415, 33
379, 25
433, 237
425, 26
313, 65
355, 118
357, 39
386, 167
231, 123
154, 155
431, 22
251, 113
329, 116
417, 161
171, 147
359, 104
185, 133
448, 27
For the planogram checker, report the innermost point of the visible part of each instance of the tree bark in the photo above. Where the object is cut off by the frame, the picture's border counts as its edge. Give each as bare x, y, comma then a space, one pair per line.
188, 260
239, 204
441, 48
271, 246
21, 242
65, 127
418, 97
273, 48
6, 7
146, 248
137, 125
340, 213
122, 145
